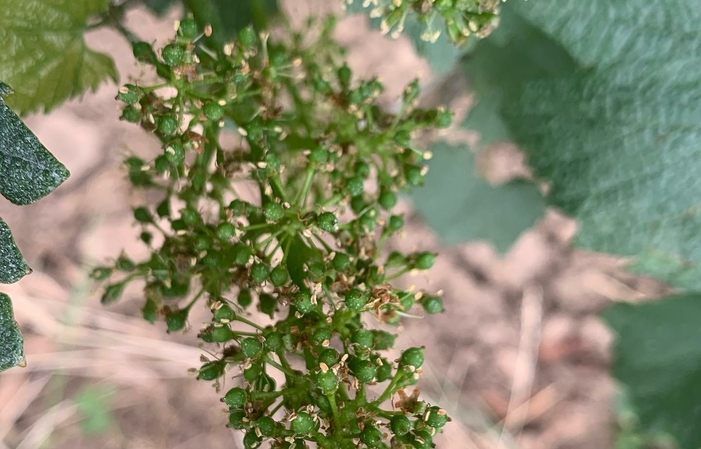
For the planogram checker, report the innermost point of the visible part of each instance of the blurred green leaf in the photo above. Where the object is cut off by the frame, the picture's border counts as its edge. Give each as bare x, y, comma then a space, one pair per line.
605, 102
44, 56
11, 351
94, 404
299, 254
460, 206
658, 357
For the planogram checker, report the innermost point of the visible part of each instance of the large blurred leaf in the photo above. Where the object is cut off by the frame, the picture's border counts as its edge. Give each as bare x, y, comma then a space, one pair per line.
615, 126
13, 267
27, 170
462, 206
658, 356
11, 351
44, 56
160, 7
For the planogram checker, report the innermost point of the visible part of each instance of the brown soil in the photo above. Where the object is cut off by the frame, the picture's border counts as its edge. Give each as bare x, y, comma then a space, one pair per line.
520, 359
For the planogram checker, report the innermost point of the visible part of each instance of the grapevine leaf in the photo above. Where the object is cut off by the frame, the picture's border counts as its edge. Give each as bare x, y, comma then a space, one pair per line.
28, 171
459, 205
441, 55
227, 17
44, 55
13, 267
658, 358
614, 126
11, 350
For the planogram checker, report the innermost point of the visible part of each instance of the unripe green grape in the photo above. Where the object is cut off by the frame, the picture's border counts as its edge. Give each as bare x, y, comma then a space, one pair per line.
361, 169
384, 371
432, 304
327, 221
357, 204
226, 231
266, 425
319, 155
422, 439
143, 52
211, 370
436, 417
279, 276
395, 223
213, 111
356, 300
363, 338
412, 357
175, 321
340, 261
329, 357
400, 425
414, 175
302, 424
128, 94
237, 419
188, 28
222, 334
355, 186
259, 272
251, 440
363, 370
173, 54
273, 341
224, 313
247, 37
387, 199
425, 260
131, 114
251, 347
245, 298
273, 211
371, 436
303, 302
327, 382
166, 125
267, 304
320, 336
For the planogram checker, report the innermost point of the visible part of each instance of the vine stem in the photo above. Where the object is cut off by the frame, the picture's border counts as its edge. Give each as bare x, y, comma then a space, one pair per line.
308, 178
249, 322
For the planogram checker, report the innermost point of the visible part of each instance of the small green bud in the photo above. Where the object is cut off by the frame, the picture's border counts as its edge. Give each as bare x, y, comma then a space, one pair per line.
173, 54
327, 221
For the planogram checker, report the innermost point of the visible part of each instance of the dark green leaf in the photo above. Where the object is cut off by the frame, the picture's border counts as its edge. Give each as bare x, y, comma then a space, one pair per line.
13, 267
44, 56
11, 350
298, 255
27, 170
658, 357
460, 206
605, 104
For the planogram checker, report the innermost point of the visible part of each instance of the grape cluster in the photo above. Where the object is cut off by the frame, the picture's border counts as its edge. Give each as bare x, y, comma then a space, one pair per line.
306, 254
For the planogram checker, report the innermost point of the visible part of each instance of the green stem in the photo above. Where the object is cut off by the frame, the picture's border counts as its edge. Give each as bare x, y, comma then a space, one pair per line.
284, 370
308, 179
249, 322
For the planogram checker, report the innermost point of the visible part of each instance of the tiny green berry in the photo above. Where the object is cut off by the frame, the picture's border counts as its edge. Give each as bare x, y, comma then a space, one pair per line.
112, 293
222, 334
245, 298
259, 272
400, 425
425, 260
175, 321
267, 304
211, 370
371, 436
251, 347
213, 111
444, 119
273, 211
361, 169
363, 338
241, 253
340, 261
247, 37
329, 357
403, 138
266, 425
128, 94
273, 341
395, 223
143, 52
237, 419
363, 370
226, 231
327, 382
131, 114
414, 175
279, 276
432, 304
412, 357
383, 340
173, 54
327, 221
387, 199
167, 125
224, 313
319, 155
251, 440
422, 439
238, 207
252, 373
303, 302
101, 273
436, 417
188, 28
355, 186
356, 300
320, 336
302, 424
384, 371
